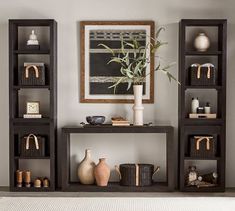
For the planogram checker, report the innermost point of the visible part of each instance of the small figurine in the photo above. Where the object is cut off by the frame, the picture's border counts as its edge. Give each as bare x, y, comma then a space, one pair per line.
27, 179
19, 178
46, 182
37, 183
33, 42
192, 176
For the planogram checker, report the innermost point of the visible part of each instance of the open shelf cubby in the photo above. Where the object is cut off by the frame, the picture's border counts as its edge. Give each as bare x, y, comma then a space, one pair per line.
216, 30
46, 95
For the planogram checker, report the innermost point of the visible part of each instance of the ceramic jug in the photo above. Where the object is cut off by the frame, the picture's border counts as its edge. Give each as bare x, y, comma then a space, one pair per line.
102, 173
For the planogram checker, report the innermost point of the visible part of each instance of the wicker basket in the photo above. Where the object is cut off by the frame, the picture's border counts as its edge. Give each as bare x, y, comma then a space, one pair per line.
32, 75
203, 146
202, 75
32, 146
136, 174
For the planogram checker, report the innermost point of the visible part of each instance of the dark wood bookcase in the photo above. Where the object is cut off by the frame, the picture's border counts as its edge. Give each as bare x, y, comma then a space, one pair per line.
18, 34
188, 29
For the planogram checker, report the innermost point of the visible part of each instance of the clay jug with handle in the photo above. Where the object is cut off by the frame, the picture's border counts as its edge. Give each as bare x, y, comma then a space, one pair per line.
86, 169
102, 173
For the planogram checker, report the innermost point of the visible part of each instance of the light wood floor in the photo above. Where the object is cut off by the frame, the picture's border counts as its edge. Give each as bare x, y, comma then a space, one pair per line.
4, 192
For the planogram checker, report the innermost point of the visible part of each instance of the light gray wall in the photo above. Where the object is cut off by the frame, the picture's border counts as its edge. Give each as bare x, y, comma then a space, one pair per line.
68, 14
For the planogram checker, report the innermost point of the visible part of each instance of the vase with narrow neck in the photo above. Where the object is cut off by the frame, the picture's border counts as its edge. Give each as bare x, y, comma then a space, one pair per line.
138, 107
102, 173
86, 169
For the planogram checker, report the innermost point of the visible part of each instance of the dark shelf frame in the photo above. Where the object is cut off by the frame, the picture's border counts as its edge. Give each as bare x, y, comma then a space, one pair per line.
203, 126
19, 126
67, 185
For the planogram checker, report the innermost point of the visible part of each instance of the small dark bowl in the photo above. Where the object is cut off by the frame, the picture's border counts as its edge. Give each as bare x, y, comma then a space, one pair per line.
95, 120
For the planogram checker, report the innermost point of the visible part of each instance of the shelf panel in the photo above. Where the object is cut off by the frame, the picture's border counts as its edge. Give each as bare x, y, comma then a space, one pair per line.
198, 158
203, 87
206, 53
188, 121
116, 187
31, 120
31, 51
31, 87
205, 189
31, 189
33, 158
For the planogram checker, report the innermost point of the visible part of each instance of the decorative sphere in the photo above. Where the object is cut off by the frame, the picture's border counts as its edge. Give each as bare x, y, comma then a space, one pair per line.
202, 42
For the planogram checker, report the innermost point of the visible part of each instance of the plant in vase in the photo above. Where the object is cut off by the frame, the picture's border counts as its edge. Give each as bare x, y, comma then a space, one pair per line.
133, 68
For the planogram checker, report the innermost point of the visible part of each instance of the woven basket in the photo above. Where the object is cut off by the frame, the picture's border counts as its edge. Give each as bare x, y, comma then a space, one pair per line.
32, 75
32, 146
202, 75
203, 146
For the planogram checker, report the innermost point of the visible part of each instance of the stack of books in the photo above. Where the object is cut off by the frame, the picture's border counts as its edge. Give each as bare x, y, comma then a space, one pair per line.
120, 122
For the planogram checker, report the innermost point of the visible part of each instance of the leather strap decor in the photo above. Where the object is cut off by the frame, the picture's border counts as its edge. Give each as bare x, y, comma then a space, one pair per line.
35, 70
199, 71
200, 138
137, 175
35, 141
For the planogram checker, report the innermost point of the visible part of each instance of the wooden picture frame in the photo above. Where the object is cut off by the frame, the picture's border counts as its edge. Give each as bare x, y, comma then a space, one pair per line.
93, 84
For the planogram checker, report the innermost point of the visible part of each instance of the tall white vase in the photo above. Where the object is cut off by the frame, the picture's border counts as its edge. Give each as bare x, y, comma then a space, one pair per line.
138, 107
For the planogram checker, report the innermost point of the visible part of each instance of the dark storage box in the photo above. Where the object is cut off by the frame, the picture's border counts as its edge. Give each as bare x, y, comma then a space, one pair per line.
32, 150
136, 174
203, 146
205, 76
32, 75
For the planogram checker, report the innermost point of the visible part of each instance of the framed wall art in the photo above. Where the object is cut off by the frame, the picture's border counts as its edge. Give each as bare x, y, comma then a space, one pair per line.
96, 75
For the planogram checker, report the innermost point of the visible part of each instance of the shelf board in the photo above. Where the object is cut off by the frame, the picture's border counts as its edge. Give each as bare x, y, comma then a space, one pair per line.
116, 187
31, 189
201, 121
206, 53
32, 87
31, 51
33, 158
205, 189
198, 158
203, 87
31, 120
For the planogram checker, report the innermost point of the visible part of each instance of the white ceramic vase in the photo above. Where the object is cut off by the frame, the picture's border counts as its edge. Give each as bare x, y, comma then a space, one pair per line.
138, 107
86, 169
202, 42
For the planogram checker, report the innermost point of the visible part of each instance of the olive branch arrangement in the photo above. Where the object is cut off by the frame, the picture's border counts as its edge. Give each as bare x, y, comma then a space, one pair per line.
133, 60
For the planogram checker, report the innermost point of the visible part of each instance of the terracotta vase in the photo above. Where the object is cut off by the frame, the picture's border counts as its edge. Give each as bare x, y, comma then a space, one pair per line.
86, 169
102, 173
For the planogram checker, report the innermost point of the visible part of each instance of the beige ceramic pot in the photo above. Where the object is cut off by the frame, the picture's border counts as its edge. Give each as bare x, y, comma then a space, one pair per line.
102, 173
86, 169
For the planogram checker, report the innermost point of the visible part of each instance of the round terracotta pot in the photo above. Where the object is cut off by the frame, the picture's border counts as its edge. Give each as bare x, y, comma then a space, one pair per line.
102, 173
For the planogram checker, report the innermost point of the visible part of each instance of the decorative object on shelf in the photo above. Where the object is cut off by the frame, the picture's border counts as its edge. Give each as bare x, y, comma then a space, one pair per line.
203, 146
27, 178
37, 183
86, 169
210, 178
202, 116
32, 110
33, 43
32, 146
45, 182
131, 61
19, 178
32, 74
119, 121
95, 120
202, 42
138, 108
102, 172
200, 110
136, 174
207, 108
202, 75
191, 176
194, 105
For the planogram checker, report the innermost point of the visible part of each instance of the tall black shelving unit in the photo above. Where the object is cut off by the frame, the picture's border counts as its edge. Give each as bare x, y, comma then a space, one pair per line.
187, 126
47, 125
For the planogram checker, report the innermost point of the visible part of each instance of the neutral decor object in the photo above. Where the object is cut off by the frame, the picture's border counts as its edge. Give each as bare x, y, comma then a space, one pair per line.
202, 74
96, 75
46, 182
33, 43
120, 121
192, 175
136, 174
202, 42
203, 146
32, 74
27, 179
213, 123
32, 146
170, 157
44, 126
86, 169
207, 108
95, 120
194, 105
37, 183
32, 110
138, 108
19, 178
102, 173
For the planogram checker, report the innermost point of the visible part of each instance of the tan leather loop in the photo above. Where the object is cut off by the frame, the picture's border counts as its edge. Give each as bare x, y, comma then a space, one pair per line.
209, 72
199, 71
137, 175
200, 138
35, 141
35, 70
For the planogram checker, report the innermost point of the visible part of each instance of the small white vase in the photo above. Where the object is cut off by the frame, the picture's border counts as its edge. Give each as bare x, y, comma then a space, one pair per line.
202, 42
86, 169
138, 107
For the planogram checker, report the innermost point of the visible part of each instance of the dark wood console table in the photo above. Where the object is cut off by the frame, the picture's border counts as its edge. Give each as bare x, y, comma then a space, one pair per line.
67, 185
